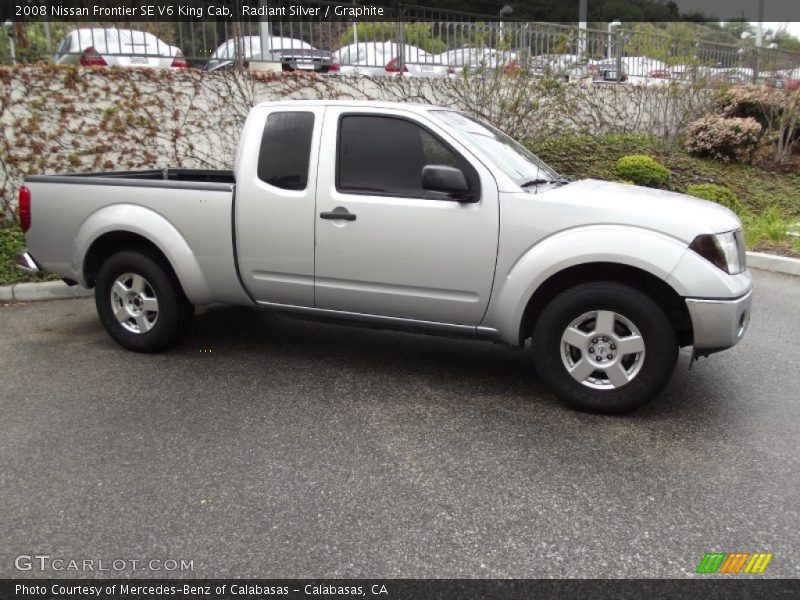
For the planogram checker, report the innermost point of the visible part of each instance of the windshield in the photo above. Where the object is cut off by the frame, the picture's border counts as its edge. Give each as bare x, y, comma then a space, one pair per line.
511, 157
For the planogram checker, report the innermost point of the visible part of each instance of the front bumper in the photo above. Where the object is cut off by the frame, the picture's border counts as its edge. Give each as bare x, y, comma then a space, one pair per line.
719, 324
26, 262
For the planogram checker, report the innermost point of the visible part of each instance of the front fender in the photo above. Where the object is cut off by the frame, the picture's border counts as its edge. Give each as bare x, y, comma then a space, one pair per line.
142, 221
648, 250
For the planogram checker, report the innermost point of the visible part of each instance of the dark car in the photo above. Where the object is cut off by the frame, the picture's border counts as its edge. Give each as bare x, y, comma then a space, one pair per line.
606, 70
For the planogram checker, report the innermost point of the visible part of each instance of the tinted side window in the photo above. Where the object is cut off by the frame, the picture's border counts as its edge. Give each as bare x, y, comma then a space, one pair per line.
386, 155
286, 149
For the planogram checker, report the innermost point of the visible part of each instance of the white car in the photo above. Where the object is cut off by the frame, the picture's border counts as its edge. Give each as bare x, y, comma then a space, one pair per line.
643, 70
721, 76
562, 66
475, 59
292, 53
100, 47
383, 58
685, 73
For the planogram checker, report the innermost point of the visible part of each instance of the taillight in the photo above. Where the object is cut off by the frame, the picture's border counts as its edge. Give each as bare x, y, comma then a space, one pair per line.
451, 71
24, 208
90, 58
393, 66
512, 66
179, 62
334, 68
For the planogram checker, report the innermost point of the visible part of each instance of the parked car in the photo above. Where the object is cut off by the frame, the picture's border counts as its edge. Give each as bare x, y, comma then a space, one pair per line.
117, 47
383, 58
405, 216
791, 79
684, 73
773, 80
477, 60
729, 76
643, 70
606, 70
561, 66
293, 54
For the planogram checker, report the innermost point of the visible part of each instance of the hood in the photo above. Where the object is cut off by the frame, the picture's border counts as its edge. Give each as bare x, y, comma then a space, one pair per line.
677, 215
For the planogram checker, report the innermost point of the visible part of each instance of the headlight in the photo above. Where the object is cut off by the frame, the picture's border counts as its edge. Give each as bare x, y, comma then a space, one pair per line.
725, 250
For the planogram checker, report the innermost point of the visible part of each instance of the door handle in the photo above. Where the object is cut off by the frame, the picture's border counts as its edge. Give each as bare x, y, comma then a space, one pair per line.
340, 214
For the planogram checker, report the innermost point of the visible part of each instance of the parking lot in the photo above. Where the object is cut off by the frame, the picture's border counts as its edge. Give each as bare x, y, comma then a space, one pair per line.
271, 447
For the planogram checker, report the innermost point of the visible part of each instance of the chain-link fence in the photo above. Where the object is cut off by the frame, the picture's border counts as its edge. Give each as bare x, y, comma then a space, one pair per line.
419, 42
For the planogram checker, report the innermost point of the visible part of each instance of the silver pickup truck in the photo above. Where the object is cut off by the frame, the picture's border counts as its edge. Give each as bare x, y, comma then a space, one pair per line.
405, 216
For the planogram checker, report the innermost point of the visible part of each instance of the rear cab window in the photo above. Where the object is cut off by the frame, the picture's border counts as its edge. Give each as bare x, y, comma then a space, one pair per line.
283, 159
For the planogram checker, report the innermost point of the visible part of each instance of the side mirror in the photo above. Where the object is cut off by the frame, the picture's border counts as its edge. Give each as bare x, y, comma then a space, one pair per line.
441, 178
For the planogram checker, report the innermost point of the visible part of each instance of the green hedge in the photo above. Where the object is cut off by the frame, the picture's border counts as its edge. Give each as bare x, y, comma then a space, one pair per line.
716, 193
11, 240
642, 170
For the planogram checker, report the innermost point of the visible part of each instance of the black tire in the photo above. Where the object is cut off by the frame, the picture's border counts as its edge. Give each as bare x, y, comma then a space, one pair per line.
160, 329
648, 371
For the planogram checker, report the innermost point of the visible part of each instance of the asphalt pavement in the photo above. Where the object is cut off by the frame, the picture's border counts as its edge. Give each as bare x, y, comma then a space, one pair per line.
266, 446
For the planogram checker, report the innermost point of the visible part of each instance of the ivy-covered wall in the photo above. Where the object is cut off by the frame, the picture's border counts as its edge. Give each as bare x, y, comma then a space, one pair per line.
65, 119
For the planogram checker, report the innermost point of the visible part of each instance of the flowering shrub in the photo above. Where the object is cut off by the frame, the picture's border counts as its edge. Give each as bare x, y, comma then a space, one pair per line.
726, 139
756, 101
642, 170
716, 193
778, 112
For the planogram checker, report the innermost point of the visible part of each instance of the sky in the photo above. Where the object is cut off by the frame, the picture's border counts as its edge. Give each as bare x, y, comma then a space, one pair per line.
793, 27
774, 10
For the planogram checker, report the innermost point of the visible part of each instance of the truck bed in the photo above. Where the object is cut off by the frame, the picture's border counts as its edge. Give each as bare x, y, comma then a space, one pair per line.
170, 178
186, 213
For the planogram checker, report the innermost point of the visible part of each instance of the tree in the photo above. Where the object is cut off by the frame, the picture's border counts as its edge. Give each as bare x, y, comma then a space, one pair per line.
415, 34
785, 40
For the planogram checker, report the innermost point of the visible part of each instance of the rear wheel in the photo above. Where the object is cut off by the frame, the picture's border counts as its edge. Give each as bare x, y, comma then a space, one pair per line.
140, 303
604, 347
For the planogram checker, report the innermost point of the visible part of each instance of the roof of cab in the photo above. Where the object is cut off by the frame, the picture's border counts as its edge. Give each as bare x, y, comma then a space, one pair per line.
412, 106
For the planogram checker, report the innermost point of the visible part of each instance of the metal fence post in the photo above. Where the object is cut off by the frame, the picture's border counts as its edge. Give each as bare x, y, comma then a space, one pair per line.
48, 39
8, 28
265, 33
238, 40
757, 64
401, 35
619, 40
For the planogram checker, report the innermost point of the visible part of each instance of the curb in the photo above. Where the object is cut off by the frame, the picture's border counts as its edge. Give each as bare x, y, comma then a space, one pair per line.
46, 290
53, 290
776, 264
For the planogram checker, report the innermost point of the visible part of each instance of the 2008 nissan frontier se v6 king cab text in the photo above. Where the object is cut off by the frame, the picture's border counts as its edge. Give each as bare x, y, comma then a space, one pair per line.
406, 216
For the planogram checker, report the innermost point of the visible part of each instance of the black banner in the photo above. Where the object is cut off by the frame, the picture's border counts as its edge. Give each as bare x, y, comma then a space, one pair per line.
392, 10
733, 588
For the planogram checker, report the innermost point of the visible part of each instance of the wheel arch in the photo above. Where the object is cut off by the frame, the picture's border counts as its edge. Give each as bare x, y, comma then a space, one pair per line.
130, 227
112, 242
661, 293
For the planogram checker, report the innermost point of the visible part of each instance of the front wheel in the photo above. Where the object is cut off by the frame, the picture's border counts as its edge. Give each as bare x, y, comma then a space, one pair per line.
140, 304
604, 347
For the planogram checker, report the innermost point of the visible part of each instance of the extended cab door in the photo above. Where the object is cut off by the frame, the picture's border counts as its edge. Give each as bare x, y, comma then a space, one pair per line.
384, 245
275, 194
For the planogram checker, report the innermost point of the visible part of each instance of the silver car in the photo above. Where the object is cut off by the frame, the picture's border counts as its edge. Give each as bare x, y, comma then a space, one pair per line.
405, 216
293, 54
384, 58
